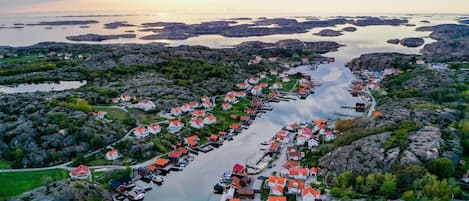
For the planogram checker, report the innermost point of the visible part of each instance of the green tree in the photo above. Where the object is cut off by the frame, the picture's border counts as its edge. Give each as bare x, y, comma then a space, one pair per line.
408, 196
406, 176
344, 180
389, 187
442, 167
19, 154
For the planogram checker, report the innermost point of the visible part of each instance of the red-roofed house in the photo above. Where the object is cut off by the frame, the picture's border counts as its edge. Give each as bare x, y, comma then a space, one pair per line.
230, 98
310, 194
80, 172
192, 141
141, 132
197, 123
274, 147
226, 106
295, 186
239, 169
185, 108
154, 128
174, 156
176, 111
175, 126
198, 113
240, 94
256, 90
286, 79
214, 138
299, 173
313, 171
146, 105
100, 115
277, 190
277, 198
276, 180
210, 119
161, 162
244, 118
112, 155
277, 85
234, 126
243, 85
253, 80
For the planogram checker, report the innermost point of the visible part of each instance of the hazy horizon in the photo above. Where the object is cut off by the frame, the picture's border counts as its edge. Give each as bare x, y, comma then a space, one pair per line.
233, 7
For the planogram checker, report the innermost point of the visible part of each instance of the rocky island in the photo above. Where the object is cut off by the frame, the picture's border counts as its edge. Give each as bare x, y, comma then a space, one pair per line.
329, 33
98, 37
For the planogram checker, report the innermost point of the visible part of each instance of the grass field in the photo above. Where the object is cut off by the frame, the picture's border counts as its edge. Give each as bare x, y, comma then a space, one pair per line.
113, 113
4, 164
145, 118
15, 183
19, 59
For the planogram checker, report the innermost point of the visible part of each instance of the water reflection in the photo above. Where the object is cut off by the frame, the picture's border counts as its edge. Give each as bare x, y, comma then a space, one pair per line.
43, 87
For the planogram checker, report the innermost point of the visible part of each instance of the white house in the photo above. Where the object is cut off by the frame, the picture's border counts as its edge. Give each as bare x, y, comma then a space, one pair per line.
175, 126
210, 119
310, 194
176, 111
146, 105
197, 123
256, 91
226, 106
243, 85
312, 143
154, 128
80, 172
277, 86
230, 98
112, 155
253, 80
186, 108
141, 132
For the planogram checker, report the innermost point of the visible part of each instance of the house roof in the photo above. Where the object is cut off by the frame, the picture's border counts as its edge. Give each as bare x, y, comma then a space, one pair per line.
193, 104
151, 168
238, 168
320, 121
244, 118
277, 180
234, 116
298, 171
222, 133
192, 140
211, 117
161, 162
213, 137
314, 170
277, 198
234, 199
199, 113
141, 129
291, 164
175, 123
234, 126
226, 105
279, 188
80, 169
197, 121
177, 109
295, 183
112, 152
155, 126
274, 146
312, 191
175, 154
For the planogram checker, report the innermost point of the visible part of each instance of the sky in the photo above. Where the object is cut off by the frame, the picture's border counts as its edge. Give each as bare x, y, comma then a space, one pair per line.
240, 6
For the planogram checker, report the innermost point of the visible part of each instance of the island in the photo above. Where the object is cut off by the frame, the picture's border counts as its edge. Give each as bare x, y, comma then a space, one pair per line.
64, 23
328, 33
99, 37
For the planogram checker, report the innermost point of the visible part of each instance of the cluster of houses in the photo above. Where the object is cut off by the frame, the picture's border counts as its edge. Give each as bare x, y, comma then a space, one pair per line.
286, 64
144, 131
279, 186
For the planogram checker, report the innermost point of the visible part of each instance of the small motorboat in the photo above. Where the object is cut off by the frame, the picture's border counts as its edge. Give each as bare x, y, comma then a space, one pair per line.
134, 195
157, 179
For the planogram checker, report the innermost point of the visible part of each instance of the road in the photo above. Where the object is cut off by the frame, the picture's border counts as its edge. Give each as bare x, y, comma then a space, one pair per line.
373, 103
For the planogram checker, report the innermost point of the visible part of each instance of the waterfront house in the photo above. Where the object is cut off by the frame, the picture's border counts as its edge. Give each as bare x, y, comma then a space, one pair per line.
292, 127
146, 105
276, 190
277, 198
192, 141
234, 127
239, 169
175, 126
176, 111
222, 133
329, 136
253, 80
230, 98
112, 155
243, 85
234, 199
174, 156
141, 132
214, 138
117, 186
310, 194
274, 147
154, 128
161, 162
295, 186
198, 113
80, 172
210, 119
185, 108
197, 123
277, 86
226, 106
244, 118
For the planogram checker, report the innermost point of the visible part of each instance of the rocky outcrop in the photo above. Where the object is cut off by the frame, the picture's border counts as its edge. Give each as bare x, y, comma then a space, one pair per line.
349, 29
66, 190
64, 23
425, 143
379, 61
118, 24
98, 37
329, 33
452, 43
393, 41
412, 42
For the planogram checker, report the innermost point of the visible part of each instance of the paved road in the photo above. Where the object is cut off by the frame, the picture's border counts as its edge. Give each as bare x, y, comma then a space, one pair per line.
373, 103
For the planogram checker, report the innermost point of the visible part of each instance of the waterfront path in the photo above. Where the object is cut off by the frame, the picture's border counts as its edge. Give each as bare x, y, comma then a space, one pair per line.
373, 103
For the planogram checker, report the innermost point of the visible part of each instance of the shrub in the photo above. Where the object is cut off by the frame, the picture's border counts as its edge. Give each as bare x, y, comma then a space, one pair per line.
442, 167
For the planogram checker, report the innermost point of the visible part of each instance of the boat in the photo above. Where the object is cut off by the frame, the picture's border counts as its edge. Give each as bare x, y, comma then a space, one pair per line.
265, 143
135, 195
218, 188
157, 179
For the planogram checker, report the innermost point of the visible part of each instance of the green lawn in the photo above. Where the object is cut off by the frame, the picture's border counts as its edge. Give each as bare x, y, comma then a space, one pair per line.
144, 117
4, 164
19, 59
15, 183
113, 113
